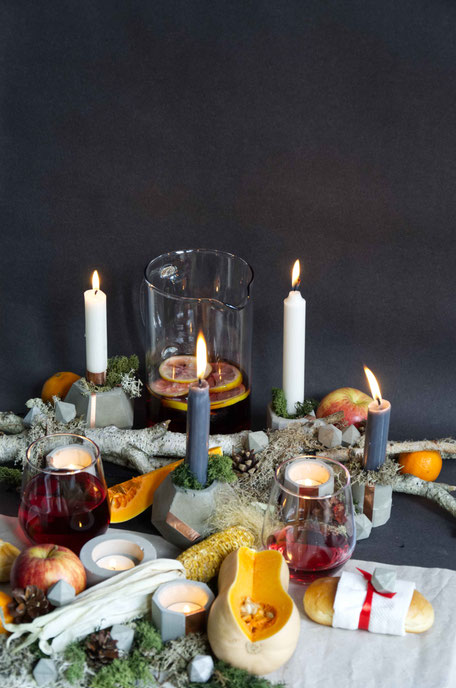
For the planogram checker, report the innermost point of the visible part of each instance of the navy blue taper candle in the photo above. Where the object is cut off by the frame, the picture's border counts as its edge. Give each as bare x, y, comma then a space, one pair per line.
198, 418
378, 418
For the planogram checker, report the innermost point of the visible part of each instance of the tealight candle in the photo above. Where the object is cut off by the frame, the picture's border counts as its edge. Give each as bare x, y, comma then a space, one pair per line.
71, 457
309, 477
184, 607
116, 562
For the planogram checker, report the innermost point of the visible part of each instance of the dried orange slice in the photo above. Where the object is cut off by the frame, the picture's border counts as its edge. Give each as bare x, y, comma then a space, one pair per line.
164, 388
181, 369
224, 376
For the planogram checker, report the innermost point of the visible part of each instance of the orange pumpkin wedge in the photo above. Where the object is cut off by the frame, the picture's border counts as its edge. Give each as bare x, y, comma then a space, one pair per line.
132, 497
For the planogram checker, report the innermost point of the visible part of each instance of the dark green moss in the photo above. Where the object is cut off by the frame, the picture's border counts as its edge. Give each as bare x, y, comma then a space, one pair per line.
228, 676
11, 477
219, 468
279, 405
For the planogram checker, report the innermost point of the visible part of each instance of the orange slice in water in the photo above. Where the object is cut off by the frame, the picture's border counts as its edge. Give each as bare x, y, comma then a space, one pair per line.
164, 388
181, 369
224, 377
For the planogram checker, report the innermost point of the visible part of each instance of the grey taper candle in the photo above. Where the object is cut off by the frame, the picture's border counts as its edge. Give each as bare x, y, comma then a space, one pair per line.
198, 417
378, 418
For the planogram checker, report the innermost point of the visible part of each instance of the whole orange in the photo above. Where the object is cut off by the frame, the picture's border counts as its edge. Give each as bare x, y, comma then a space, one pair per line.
424, 464
4, 601
58, 385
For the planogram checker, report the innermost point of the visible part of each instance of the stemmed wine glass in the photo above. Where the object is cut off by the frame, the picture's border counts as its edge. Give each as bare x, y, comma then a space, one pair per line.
64, 495
310, 518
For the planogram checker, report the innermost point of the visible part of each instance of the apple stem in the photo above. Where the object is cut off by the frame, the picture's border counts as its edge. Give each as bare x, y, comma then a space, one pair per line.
51, 551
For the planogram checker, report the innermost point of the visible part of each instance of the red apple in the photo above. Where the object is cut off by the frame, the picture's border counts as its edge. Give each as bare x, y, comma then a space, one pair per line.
44, 565
351, 401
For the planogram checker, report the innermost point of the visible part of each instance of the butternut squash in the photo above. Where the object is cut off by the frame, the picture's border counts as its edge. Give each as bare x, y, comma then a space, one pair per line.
254, 624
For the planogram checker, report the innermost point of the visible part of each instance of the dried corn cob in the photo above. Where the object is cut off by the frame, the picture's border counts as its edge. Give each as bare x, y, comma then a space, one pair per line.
203, 560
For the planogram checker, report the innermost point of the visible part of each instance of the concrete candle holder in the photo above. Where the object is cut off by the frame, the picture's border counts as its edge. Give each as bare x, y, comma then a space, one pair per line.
181, 515
101, 409
181, 607
116, 553
375, 501
275, 422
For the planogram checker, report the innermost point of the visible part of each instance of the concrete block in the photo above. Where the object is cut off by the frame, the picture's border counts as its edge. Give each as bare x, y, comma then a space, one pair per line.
384, 580
33, 416
275, 422
107, 408
61, 593
45, 672
64, 412
124, 636
350, 436
257, 441
330, 436
363, 526
376, 503
182, 516
200, 669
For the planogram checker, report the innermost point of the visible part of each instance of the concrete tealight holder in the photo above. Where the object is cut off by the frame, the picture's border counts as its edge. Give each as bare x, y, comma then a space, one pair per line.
106, 555
375, 501
181, 515
101, 409
181, 607
275, 422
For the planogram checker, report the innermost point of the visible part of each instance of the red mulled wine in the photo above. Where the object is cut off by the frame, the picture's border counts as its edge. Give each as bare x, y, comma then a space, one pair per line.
66, 509
310, 553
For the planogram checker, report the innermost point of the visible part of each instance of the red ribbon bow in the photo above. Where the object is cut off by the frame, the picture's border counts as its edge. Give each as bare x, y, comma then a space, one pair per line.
364, 616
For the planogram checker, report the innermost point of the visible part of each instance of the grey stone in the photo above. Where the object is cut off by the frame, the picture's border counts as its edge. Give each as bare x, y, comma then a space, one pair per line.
33, 416
111, 408
257, 440
363, 526
182, 516
64, 412
382, 502
350, 436
200, 669
44, 672
124, 636
330, 436
61, 593
275, 422
384, 580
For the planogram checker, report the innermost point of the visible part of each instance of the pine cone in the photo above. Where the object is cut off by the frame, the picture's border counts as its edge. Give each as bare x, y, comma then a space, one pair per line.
245, 461
101, 647
28, 604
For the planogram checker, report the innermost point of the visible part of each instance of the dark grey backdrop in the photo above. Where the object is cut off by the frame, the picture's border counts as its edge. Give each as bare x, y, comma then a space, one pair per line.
276, 130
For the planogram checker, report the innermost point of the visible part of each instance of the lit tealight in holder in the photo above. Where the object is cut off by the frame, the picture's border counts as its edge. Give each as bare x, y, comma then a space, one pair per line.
309, 476
70, 457
110, 554
181, 607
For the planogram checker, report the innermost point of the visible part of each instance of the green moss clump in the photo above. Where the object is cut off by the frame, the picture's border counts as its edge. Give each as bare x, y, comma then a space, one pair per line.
279, 405
124, 673
11, 477
74, 653
219, 468
147, 637
118, 366
229, 677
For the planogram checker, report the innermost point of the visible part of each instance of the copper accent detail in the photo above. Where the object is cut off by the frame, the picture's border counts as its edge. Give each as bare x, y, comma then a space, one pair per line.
96, 378
93, 409
195, 621
368, 503
182, 527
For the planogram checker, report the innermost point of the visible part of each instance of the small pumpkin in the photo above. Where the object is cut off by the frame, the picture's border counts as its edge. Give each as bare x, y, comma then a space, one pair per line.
254, 624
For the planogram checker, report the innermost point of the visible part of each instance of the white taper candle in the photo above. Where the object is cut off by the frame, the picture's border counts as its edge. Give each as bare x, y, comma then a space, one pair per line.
294, 344
96, 328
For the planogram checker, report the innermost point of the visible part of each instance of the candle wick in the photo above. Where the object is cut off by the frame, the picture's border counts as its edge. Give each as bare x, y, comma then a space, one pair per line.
296, 286
378, 401
199, 382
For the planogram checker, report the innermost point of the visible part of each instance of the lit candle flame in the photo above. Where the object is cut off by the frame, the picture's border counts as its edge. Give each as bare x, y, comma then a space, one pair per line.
295, 274
308, 482
201, 356
112, 564
186, 609
95, 281
373, 384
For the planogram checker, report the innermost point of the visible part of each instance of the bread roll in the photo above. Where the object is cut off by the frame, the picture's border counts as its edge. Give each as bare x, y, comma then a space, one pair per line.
319, 603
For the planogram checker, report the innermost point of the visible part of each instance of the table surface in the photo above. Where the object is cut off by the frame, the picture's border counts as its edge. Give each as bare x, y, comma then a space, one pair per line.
419, 532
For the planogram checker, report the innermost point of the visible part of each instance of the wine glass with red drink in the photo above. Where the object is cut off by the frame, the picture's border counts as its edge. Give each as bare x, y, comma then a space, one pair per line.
311, 521
64, 495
